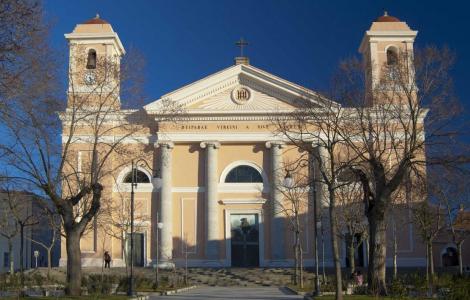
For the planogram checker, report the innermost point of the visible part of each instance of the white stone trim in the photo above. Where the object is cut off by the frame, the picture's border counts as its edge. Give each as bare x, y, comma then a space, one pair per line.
238, 163
144, 229
96, 38
238, 74
243, 201
228, 233
140, 188
180, 262
221, 137
120, 186
204, 263
110, 139
188, 189
394, 46
407, 261
243, 188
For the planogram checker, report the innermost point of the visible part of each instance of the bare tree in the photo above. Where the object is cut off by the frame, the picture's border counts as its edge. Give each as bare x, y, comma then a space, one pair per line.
454, 193
21, 34
48, 234
8, 230
294, 205
315, 129
352, 222
20, 206
115, 220
93, 128
385, 129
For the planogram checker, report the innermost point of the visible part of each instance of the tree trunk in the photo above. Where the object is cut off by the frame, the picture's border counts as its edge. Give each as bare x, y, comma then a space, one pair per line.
395, 254
124, 253
301, 266
49, 259
49, 262
459, 253
431, 259
377, 251
323, 254
427, 264
22, 255
335, 247
10, 256
296, 259
430, 268
74, 265
351, 252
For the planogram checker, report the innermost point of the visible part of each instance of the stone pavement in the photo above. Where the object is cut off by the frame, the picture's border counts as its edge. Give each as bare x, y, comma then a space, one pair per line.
232, 293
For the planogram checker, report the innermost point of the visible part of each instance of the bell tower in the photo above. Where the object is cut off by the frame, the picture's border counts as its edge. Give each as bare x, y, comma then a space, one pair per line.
94, 63
387, 39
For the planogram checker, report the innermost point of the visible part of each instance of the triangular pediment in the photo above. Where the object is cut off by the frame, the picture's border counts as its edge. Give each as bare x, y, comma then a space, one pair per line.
240, 89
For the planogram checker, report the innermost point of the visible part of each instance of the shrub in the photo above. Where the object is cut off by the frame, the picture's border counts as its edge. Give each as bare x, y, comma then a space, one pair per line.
398, 289
98, 283
459, 289
37, 279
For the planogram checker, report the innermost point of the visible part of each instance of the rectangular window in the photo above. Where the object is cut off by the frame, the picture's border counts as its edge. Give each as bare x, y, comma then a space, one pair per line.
6, 259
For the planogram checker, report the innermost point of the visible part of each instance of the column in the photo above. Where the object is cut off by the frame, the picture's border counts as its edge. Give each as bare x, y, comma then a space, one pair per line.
212, 218
277, 224
166, 203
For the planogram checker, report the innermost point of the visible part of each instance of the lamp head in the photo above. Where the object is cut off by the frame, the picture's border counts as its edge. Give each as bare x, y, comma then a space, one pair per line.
288, 180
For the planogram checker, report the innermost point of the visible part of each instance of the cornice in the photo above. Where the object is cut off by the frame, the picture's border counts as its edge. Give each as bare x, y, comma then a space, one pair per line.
239, 75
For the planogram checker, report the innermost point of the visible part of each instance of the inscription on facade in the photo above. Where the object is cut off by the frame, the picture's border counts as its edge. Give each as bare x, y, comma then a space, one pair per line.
224, 127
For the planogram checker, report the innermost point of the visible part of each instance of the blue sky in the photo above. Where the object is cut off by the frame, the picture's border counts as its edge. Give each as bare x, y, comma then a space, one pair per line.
301, 41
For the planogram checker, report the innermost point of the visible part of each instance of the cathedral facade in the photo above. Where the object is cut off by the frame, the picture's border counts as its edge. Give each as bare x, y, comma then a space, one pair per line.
208, 185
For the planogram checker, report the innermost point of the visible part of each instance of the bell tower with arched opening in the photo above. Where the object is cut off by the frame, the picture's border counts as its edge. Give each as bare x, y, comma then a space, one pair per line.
382, 45
94, 64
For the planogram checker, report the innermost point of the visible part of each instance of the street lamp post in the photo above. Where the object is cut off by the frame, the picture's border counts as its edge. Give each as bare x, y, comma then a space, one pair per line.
130, 291
157, 277
317, 291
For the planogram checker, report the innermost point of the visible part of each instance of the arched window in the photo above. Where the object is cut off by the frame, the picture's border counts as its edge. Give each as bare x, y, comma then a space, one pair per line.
392, 56
243, 174
91, 61
140, 177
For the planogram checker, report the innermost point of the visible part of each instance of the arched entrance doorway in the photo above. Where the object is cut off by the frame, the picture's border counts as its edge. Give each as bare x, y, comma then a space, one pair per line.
450, 257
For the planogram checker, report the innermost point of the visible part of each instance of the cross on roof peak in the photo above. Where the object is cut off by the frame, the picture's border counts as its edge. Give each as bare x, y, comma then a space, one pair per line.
241, 44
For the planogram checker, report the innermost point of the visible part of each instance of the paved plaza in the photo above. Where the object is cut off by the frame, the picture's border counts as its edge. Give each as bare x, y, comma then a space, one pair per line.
227, 293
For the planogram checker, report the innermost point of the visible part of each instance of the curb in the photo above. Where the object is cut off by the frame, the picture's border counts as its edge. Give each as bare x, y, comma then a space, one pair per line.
308, 296
145, 295
291, 290
179, 290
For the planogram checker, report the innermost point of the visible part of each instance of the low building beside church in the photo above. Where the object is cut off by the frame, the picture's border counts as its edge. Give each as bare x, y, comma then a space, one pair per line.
212, 179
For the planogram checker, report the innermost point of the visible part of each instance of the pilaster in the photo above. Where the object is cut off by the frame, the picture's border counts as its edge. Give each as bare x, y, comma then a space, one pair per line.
212, 226
277, 223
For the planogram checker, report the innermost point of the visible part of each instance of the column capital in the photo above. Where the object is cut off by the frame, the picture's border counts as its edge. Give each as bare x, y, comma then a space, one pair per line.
167, 144
207, 144
273, 144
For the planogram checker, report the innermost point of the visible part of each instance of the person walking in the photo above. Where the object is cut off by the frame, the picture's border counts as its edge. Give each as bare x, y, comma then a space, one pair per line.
107, 260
